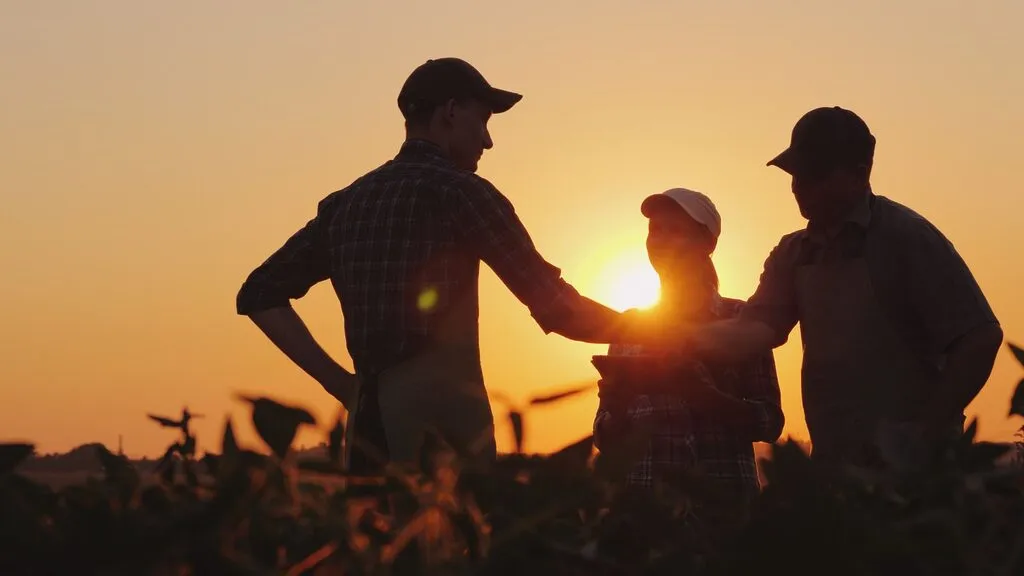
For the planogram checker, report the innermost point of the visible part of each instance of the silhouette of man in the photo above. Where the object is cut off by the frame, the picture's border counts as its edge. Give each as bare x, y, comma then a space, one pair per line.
402, 247
898, 337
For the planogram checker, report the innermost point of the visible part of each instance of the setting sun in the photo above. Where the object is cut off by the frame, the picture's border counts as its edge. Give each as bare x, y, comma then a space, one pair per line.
628, 282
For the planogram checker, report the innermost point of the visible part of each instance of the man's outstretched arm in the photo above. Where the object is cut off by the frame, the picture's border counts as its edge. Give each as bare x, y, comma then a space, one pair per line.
489, 227
733, 340
265, 297
764, 323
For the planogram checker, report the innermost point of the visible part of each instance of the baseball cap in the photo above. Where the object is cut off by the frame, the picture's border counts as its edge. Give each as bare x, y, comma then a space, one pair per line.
827, 138
437, 80
697, 205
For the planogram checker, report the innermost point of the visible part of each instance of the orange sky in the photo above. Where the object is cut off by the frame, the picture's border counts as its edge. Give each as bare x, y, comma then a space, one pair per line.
153, 153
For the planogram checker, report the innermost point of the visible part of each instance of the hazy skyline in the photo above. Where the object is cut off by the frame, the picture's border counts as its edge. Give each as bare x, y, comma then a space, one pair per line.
153, 154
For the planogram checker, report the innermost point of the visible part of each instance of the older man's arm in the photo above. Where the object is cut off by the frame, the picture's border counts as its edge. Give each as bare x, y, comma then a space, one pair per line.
969, 362
763, 324
755, 411
958, 320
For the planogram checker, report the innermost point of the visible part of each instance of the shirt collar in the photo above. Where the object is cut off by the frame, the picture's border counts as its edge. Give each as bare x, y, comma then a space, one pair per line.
424, 150
859, 217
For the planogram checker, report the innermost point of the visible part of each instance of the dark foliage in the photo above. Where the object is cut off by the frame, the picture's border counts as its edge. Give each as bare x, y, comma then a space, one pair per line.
244, 512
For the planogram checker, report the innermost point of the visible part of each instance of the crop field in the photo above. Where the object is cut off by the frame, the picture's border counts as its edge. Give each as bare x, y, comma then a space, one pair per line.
264, 510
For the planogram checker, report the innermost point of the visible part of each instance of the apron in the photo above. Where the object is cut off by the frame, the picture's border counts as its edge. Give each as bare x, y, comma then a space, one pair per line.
858, 373
439, 388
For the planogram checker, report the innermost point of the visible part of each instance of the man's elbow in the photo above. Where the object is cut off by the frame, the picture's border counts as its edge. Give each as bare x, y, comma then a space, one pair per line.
994, 336
247, 299
253, 298
984, 341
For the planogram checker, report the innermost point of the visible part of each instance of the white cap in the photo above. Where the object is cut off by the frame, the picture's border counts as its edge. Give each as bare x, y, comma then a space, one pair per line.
697, 205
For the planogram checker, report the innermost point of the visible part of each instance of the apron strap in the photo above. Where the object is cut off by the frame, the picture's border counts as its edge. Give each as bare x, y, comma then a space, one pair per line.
368, 448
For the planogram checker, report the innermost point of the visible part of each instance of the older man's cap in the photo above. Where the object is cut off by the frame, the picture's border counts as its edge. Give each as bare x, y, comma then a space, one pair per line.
827, 138
438, 80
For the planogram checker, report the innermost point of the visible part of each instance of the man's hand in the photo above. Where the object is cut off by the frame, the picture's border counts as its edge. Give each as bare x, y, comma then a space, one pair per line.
733, 340
289, 333
969, 362
344, 386
709, 400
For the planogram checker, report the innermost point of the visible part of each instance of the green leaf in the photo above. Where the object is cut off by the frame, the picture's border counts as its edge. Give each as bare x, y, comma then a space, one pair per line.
538, 400
1018, 352
13, 454
516, 419
1017, 402
277, 423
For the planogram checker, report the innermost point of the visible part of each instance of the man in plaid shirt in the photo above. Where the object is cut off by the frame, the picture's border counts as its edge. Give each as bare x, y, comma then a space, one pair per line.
402, 247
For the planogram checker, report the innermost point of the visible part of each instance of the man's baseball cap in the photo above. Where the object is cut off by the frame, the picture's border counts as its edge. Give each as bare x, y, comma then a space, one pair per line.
827, 138
697, 205
437, 80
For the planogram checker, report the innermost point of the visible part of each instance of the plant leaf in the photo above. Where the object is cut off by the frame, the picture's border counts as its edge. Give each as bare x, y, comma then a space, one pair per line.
1018, 352
576, 455
229, 446
1017, 402
972, 430
188, 448
211, 462
516, 419
538, 400
277, 423
191, 478
13, 454
119, 472
983, 455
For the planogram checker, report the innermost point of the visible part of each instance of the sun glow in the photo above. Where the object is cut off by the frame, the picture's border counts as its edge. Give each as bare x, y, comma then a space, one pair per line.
628, 282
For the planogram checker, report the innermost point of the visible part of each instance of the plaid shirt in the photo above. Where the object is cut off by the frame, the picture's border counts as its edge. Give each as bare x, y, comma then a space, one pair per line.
402, 247
684, 438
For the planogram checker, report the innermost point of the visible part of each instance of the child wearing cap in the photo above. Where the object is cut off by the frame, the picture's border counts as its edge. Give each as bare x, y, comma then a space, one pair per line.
706, 419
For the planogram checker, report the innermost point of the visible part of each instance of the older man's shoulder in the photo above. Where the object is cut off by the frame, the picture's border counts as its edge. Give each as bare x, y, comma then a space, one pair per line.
906, 229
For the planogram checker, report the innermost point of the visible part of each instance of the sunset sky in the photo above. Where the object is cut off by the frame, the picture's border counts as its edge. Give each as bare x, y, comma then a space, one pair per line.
153, 153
